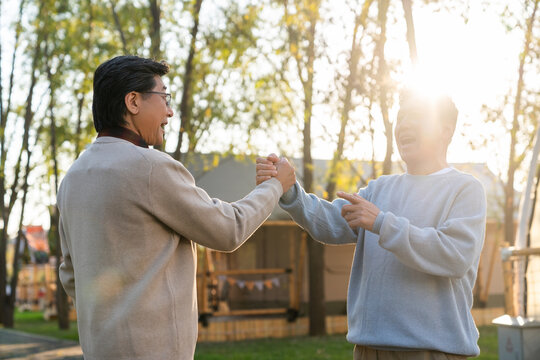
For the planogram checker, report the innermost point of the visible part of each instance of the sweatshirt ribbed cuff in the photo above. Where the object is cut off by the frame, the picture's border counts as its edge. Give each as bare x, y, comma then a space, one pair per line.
290, 195
378, 223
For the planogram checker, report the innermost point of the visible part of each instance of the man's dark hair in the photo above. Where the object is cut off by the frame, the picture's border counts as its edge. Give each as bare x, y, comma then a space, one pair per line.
441, 107
114, 79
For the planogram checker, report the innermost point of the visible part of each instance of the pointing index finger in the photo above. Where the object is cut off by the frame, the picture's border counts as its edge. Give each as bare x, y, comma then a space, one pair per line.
352, 198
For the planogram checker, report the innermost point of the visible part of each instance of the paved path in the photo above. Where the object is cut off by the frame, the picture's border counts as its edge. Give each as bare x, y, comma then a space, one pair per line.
24, 346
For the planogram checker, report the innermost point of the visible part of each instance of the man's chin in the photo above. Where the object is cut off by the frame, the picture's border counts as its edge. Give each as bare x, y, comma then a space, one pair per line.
410, 159
159, 140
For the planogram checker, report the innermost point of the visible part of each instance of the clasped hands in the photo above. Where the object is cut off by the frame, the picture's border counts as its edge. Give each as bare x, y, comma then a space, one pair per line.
359, 213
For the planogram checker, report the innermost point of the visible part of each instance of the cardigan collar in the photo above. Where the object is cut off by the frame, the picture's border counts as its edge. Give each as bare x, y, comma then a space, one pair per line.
125, 134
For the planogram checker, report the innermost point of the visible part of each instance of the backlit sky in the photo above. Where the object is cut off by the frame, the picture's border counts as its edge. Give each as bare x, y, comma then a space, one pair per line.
475, 62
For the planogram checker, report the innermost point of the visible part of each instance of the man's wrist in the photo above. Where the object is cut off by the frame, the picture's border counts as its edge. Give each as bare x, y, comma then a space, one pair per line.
290, 195
378, 223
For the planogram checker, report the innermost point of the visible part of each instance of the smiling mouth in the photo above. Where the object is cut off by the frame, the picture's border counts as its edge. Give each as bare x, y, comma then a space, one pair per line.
407, 140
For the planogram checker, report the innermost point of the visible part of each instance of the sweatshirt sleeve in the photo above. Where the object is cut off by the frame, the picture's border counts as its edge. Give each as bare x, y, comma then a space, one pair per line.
320, 218
66, 272
189, 211
449, 249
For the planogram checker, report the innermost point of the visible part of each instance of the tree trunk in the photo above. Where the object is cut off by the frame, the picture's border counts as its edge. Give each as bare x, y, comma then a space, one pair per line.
186, 101
78, 130
61, 296
155, 30
119, 27
5, 311
10, 303
411, 37
317, 308
347, 102
512, 162
155, 40
62, 305
304, 65
80, 92
382, 83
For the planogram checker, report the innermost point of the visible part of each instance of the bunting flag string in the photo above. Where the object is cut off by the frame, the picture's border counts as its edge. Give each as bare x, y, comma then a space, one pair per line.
251, 284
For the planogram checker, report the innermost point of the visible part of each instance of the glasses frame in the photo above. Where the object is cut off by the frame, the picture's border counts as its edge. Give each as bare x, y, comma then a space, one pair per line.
167, 98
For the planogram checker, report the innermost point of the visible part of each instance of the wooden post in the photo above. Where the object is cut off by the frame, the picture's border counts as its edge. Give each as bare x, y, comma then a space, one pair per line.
212, 282
478, 288
204, 281
35, 291
485, 295
508, 274
301, 266
23, 286
292, 275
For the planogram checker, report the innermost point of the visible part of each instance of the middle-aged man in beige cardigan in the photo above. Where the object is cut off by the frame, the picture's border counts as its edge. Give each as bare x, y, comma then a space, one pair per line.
130, 219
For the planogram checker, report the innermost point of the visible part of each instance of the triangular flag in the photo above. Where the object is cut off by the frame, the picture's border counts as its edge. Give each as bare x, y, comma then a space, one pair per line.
268, 284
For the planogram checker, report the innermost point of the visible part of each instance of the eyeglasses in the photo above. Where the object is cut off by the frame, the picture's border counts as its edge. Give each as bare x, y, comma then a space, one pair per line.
167, 96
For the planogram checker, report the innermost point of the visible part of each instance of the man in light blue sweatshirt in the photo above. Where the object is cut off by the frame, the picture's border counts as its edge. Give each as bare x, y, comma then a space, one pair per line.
418, 240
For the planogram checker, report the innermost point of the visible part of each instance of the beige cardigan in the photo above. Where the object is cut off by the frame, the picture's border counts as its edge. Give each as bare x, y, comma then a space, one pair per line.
126, 213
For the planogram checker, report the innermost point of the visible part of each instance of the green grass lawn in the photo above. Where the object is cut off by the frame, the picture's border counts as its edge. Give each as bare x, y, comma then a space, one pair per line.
311, 348
33, 322
297, 348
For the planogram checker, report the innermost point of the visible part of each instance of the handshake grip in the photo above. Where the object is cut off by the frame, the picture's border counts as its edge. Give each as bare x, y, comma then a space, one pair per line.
273, 166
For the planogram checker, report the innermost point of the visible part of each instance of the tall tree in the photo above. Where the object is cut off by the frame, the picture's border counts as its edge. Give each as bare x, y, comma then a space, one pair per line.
11, 299
347, 105
62, 304
301, 19
155, 38
219, 79
382, 83
84, 65
187, 95
155, 29
119, 27
513, 160
6, 307
55, 52
411, 37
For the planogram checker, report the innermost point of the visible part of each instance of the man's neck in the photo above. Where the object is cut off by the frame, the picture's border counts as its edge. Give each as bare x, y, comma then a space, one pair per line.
426, 168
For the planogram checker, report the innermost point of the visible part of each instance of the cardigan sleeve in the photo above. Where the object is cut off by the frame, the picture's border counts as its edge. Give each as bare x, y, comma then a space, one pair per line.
187, 209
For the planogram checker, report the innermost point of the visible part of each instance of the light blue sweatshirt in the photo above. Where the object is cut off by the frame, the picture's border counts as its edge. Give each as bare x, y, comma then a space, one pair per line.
412, 277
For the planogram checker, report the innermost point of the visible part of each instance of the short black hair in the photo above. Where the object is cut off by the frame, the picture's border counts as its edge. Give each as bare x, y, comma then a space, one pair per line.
441, 106
114, 79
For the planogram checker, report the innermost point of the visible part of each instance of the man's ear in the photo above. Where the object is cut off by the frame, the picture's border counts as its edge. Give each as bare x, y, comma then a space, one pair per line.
132, 100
